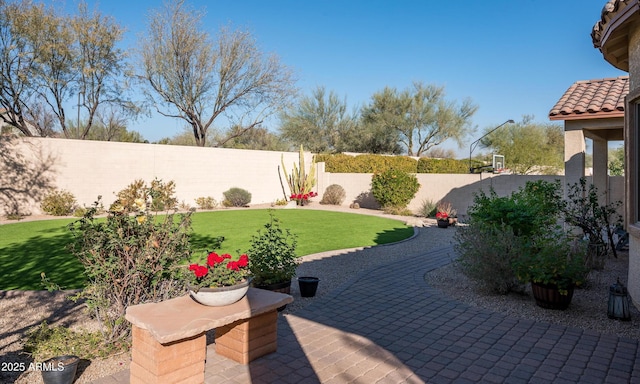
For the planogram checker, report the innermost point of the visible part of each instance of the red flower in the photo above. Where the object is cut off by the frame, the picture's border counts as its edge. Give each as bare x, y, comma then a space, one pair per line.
201, 271
193, 267
243, 261
233, 265
441, 215
305, 196
214, 259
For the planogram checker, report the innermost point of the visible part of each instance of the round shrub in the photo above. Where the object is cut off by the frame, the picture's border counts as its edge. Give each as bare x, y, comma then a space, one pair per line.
236, 197
394, 188
334, 195
58, 203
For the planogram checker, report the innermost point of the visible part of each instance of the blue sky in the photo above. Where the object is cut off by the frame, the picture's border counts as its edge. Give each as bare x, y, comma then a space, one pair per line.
512, 58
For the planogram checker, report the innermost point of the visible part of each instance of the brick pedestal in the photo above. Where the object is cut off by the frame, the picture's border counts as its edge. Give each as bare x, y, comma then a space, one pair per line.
176, 362
246, 340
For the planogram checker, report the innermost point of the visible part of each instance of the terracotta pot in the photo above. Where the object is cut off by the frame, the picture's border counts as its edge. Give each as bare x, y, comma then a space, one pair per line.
221, 296
548, 296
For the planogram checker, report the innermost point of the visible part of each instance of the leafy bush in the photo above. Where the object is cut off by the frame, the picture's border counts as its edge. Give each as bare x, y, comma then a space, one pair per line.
236, 197
340, 163
426, 165
487, 254
58, 203
334, 195
160, 195
129, 259
273, 254
504, 231
394, 188
206, 202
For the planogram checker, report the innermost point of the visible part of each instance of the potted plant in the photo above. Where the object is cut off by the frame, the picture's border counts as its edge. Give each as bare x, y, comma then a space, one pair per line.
222, 281
273, 257
445, 214
554, 265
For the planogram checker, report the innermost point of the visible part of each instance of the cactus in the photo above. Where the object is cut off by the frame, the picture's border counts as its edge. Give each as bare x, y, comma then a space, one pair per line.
300, 182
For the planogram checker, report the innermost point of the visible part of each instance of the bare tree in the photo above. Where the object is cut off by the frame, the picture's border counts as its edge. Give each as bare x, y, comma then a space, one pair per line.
194, 78
48, 59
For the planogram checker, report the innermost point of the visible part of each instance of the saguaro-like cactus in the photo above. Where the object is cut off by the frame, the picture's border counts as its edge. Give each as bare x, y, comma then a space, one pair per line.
300, 182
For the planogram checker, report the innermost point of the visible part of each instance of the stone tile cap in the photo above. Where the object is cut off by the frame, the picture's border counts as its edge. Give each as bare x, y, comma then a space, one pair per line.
183, 317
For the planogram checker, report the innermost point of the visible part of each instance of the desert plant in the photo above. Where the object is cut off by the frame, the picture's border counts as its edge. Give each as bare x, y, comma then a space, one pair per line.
428, 208
160, 195
394, 188
300, 182
597, 221
334, 195
273, 253
58, 203
129, 259
236, 197
487, 254
206, 202
43, 342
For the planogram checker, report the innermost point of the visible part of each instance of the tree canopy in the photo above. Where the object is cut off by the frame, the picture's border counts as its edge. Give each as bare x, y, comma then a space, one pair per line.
528, 147
420, 116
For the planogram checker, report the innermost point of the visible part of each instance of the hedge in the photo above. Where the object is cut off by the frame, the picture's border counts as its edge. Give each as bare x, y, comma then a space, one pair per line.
341, 163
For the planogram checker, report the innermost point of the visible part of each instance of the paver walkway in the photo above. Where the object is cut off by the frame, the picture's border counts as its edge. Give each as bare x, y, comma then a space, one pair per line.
388, 326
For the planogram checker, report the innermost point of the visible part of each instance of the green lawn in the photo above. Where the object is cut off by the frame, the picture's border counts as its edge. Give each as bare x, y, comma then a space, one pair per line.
29, 248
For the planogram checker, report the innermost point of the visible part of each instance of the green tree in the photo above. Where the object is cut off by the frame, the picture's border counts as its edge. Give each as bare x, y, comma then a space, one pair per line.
50, 61
616, 162
319, 122
420, 116
191, 77
529, 147
257, 138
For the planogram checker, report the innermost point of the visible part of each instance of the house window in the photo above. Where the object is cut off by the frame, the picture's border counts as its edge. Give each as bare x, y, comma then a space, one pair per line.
632, 166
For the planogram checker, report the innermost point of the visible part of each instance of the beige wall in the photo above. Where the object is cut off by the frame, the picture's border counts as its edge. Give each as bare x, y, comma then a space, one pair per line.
92, 168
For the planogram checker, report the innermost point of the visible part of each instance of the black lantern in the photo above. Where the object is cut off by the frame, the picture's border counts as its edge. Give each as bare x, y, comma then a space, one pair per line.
618, 302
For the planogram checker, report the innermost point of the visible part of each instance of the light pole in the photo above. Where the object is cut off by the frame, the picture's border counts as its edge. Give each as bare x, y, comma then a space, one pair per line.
475, 143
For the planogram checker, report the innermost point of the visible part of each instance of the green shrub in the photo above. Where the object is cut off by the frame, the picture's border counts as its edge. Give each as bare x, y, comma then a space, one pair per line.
272, 253
340, 163
160, 194
427, 165
206, 202
394, 188
486, 255
334, 195
129, 259
58, 203
236, 197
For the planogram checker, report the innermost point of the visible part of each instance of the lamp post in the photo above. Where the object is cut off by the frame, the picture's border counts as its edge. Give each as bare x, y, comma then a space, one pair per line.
475, 143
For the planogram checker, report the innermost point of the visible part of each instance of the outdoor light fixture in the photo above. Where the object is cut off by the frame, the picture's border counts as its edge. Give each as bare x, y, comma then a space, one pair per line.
618, 302
475, 143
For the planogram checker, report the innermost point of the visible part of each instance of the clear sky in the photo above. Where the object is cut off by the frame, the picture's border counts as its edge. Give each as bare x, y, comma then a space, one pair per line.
512, 58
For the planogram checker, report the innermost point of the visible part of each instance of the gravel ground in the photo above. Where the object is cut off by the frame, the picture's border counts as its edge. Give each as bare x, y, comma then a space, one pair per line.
22, 310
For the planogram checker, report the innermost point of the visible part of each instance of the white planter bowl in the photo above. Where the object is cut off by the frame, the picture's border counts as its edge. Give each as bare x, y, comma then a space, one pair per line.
221, 296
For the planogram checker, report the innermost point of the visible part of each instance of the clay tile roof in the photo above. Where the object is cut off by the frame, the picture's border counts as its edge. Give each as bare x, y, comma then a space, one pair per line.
592, 99
609, 11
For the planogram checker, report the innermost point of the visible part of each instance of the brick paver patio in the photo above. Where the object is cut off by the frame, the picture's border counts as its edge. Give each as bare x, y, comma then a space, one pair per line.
388, 326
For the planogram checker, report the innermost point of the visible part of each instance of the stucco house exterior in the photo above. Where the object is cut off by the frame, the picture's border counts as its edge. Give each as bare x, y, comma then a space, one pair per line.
617, 35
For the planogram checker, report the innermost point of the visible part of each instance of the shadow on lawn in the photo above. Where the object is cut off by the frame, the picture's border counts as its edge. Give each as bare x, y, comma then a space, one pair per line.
23, 263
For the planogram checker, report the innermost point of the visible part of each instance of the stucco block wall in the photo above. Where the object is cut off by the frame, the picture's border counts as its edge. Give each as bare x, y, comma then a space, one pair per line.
92, 168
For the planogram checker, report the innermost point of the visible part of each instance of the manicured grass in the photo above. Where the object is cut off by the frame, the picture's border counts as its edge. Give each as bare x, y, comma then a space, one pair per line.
29, 248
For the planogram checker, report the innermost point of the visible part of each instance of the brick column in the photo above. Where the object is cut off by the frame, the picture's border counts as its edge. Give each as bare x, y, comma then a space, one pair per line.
246, 340
180, 361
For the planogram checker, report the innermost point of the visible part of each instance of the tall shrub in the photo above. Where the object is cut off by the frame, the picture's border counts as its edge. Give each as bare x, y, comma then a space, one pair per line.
394, 188
129, 259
